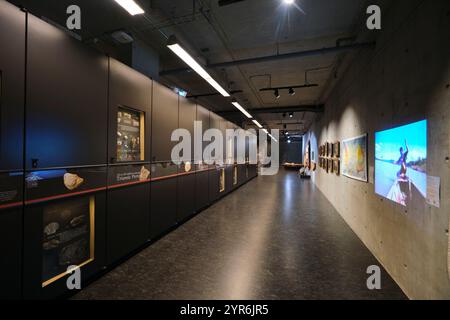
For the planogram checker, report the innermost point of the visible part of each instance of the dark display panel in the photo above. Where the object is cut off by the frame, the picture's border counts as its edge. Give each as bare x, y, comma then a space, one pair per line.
12, 71
128, 220
163, 209
186, 196
187, 117
201, 190
130, 95
11, 249
67, 91
165, 121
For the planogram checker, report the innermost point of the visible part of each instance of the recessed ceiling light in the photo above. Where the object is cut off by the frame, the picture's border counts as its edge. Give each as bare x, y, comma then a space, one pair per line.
241, 109
291, 115
132, 7
187, 58
258, 124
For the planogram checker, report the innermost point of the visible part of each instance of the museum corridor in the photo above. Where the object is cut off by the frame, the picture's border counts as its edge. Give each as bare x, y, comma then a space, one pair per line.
277, 237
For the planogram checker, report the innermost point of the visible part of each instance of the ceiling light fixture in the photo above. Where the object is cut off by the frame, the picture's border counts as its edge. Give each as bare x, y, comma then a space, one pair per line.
291, 115
276, 93
292, 92
132, 7
241, 109
289, 2
258, 124
187, 58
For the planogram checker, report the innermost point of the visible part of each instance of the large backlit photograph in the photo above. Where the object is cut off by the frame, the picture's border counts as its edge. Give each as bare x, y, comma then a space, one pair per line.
401, 163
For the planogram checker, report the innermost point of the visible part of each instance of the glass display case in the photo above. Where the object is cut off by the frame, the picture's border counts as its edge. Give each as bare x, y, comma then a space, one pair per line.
130, 135
68, 237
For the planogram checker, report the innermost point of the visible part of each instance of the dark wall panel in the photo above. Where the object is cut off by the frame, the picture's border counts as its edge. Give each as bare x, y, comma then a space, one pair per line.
11, 249
66, 100
201, 190
12, 86
202, 178
213, 185
128, 206
164, 120
12, 71
163, 206
128, 220
186, 196
187, 117
129, 89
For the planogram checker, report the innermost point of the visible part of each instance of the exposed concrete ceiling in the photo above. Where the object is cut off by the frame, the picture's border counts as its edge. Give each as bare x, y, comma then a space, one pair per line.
245, 29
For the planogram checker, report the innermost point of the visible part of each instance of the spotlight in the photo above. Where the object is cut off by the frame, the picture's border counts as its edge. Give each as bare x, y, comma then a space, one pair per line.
276, 93
292, 92
291, 115
289, 1
289, 141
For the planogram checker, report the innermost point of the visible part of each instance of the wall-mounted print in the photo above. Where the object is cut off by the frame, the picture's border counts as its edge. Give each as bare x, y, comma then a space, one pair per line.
354, 158
222, 180
336, 167
330, 165
130, 135
336, 150
401, 163
68, 237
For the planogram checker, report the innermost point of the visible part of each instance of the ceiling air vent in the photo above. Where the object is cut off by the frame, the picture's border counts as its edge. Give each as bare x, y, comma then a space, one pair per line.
122, 37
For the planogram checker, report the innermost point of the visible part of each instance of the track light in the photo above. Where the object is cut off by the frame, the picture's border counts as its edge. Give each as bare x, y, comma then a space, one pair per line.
241, 109
291, 115
132, 7
291, 92
276, 93
187, 58
258, 124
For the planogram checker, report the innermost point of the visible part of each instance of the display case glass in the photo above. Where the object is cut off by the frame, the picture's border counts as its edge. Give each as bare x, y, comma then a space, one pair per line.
68, 237
130, 135
222, 180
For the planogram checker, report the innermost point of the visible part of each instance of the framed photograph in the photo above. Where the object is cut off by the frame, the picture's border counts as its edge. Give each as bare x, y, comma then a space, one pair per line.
336, 150
336, 167
222, 180
354, 158
330, 165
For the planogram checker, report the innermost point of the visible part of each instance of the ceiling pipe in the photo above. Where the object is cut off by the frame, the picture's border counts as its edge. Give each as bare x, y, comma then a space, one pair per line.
305, 108
194, 96
290, 87
301, 54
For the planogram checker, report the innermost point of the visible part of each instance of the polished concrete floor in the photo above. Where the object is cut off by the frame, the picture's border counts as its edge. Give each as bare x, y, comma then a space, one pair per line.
276, 237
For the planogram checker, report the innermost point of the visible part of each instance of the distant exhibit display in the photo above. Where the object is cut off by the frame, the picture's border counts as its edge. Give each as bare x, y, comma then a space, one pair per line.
68, 237
130, 135
329, 157
401, 163
354, 158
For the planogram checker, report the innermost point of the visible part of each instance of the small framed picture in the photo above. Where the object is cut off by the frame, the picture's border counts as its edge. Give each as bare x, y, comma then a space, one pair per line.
336, 167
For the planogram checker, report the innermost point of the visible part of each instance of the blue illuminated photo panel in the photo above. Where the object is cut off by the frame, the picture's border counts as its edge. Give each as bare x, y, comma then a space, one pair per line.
401, 163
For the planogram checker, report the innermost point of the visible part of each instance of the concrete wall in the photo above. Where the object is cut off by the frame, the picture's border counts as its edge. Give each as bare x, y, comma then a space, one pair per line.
405, 79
